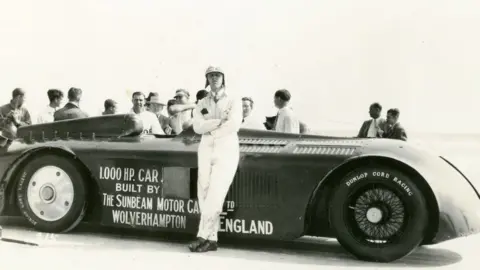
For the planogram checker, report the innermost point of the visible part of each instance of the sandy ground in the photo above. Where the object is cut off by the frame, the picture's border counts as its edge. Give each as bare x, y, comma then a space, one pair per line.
85, 248
89, 248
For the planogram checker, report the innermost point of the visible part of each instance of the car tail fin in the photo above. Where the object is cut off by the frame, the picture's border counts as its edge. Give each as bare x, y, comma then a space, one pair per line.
462, 174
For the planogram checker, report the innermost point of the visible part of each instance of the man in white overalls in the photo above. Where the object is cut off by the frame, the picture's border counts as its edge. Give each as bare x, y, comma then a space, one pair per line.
217, 117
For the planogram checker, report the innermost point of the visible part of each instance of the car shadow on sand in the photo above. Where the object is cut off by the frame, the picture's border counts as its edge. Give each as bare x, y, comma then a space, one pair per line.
308, 250
304, 251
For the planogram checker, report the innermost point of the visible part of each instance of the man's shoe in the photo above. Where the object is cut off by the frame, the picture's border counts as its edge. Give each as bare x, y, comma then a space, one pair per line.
207, 246
196, 244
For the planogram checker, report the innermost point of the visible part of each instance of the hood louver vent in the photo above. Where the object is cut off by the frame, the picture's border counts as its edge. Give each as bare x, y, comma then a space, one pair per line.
333, 142
260, 149
324, 150
263, 141
252, 145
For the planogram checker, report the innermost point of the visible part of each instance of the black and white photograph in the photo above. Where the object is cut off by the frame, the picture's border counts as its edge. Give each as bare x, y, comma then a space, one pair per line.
239, 134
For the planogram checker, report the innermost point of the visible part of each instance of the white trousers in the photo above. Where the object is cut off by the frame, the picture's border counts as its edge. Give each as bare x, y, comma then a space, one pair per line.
217, 165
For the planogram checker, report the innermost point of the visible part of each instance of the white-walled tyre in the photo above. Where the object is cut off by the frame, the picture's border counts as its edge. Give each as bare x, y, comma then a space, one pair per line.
51, 194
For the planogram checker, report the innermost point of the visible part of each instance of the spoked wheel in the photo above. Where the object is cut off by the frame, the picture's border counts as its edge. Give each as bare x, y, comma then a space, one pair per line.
378, 214
51, 194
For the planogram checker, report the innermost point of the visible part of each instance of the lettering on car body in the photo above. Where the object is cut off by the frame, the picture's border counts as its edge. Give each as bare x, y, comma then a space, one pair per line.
243, 226
128, 174
135, 218
131, 180
133, 197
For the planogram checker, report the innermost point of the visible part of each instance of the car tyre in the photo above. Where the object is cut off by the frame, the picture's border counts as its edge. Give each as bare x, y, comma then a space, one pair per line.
378, 214
52, 194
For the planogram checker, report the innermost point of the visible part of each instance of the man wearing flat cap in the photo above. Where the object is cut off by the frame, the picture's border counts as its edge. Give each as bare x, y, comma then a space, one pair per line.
14, 112
181, 110
180, 107
217, 117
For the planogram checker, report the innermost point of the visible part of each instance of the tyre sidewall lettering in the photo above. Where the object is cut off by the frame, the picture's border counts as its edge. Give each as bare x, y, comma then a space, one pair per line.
22, 201
358, 177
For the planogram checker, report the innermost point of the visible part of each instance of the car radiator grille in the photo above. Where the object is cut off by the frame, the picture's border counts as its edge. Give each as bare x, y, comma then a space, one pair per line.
254, 189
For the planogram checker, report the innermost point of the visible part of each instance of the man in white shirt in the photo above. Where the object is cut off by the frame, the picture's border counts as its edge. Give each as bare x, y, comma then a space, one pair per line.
182, 111
375, 127
287, 121
217, 118
250, 121
150, 122
55, 97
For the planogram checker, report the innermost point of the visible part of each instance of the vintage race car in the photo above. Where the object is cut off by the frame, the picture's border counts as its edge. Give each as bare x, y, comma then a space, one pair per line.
380, 198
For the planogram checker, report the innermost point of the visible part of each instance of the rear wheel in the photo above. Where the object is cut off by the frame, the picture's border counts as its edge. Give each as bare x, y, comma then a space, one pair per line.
51, 194
378, 214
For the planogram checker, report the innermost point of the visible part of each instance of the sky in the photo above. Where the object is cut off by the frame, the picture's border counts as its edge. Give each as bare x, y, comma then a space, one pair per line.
336, 57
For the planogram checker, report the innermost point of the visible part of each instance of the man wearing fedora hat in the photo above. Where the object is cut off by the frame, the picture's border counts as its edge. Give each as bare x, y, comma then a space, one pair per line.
217, 118
156, 105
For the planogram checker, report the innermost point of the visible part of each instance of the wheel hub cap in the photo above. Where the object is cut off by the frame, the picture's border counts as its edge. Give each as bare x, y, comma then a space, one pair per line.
47, 194
374, 215
50, 193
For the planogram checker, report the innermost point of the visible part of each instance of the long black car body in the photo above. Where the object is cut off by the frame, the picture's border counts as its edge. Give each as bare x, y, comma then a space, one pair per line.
380, 198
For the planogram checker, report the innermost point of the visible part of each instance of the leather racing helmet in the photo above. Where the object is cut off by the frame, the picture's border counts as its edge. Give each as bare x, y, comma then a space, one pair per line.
212, 69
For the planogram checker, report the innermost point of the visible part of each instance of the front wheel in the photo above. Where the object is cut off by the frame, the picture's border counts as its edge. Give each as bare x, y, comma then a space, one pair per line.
51, 194
378, 214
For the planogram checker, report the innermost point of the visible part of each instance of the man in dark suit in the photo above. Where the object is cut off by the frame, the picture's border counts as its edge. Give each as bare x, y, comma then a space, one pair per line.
394, 129
71, 110
375, 127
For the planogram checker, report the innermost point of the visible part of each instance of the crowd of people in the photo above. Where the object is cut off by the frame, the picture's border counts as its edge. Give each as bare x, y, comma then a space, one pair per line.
179, 113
